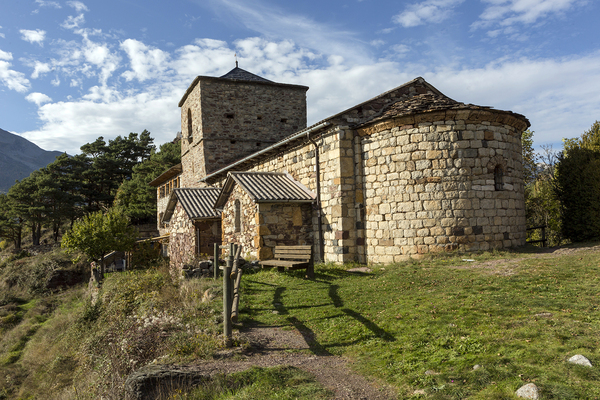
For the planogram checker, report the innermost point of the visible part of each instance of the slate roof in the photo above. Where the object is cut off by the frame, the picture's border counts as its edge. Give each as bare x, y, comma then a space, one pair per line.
266, 187
239, 74
197, 202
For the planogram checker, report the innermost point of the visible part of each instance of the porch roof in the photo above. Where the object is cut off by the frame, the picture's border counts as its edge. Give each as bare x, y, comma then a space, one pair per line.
198, 203
266, 187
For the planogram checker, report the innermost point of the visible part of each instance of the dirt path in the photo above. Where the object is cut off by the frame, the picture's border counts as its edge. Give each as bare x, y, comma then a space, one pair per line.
273, 346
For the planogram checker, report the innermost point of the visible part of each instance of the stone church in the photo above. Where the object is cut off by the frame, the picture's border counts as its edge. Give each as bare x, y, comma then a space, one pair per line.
405, 173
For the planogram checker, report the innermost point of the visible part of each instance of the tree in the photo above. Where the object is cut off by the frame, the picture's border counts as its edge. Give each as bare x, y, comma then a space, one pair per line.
577, 186
27, 203
108, 165
137, 198
530, 168
542, 207
97, 234
11, 225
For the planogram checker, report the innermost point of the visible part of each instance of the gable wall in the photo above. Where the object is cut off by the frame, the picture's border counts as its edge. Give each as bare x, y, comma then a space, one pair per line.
249, 222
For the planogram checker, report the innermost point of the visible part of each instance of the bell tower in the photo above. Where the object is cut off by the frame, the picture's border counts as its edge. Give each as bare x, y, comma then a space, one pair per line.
227, 118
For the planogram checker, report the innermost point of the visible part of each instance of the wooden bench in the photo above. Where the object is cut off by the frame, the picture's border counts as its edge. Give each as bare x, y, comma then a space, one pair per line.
290, 258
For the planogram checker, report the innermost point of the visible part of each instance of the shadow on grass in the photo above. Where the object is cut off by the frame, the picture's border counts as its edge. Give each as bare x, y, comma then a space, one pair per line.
309, 337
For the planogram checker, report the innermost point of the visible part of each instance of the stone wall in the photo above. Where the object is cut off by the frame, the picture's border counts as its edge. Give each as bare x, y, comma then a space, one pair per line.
429, 185
182, 239
338, 188
282, 224
248, 222
224, 120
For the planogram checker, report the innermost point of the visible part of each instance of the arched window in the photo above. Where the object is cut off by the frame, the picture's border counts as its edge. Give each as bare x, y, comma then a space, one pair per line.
190, 132
237, 217
498, 177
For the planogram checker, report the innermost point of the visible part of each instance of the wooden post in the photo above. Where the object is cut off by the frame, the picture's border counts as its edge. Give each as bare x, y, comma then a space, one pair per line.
216, 262
236, 276
227, 298
544, 236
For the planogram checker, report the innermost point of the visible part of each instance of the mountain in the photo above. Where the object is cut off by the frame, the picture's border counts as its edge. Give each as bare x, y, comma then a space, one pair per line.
19, 158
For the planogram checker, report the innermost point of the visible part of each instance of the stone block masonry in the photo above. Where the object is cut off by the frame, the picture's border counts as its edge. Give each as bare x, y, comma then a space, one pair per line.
431, 186
224, 120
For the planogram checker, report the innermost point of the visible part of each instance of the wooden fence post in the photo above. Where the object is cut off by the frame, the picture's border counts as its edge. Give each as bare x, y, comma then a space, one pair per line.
216, 262
236, 277
227, 298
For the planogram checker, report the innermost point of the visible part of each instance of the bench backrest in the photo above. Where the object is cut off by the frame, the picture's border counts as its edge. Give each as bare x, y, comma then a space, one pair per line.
293, 252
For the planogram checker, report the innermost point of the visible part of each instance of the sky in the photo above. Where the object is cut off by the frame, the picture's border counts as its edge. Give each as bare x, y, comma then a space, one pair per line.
71, 71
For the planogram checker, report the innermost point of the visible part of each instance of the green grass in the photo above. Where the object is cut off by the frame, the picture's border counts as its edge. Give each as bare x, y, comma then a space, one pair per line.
438, 315
278, 383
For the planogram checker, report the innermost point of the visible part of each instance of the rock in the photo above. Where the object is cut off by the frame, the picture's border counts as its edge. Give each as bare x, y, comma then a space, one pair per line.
360, 269
543, 315
156, 381
476, 367
580, 360
529, 391
431, 372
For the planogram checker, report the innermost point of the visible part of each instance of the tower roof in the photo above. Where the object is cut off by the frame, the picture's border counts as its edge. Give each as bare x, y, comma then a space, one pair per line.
238, 74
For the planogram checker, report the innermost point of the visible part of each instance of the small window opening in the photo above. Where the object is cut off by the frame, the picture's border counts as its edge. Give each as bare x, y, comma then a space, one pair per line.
284, 120
498, 177
232, 141
190, 133
259, 117
237, 218
229, 115
258, 144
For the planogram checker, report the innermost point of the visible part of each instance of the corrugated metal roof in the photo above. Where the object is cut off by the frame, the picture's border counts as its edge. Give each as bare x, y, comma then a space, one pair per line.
197, 203
269, 187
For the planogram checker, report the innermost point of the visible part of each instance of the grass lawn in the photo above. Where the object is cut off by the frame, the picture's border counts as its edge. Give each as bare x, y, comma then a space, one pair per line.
423, 325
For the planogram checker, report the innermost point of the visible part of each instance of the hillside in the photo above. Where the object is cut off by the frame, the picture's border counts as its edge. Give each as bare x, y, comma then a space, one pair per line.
19, 158
455, 326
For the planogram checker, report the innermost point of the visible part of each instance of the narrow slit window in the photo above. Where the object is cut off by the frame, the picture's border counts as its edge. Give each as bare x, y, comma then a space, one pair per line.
237, 216
189, 123
498, 177
229, 115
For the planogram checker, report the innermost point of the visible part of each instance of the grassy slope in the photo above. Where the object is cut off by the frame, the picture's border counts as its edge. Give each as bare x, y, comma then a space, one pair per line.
401, 321
397, 322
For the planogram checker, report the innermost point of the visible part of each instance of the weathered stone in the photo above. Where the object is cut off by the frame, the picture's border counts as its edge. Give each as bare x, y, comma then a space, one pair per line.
529, 391
154, 381
580, 360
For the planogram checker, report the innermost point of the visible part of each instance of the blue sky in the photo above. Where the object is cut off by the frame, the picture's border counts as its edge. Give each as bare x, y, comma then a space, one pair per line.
71, 71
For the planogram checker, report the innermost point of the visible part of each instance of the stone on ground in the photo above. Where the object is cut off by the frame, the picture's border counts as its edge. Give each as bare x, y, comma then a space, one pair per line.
529, 391
580, 360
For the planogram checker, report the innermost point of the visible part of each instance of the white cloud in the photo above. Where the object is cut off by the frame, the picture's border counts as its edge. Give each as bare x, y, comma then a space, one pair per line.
536, 88
145, 62
43, 3
73, 22
510, 12
36, 36
78, 6
10, 78
274, 23
38, 98
39, 69
429, 11
377, 43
